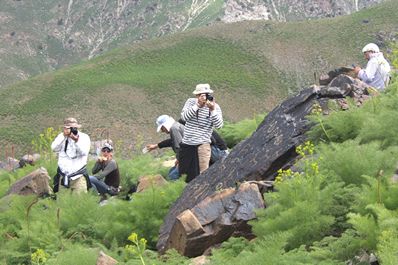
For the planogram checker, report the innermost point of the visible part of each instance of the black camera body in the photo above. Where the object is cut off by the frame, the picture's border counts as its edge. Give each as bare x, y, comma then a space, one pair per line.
74, 130
209, 97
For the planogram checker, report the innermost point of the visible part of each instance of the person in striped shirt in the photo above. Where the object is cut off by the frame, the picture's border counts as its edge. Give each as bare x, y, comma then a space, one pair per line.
201, 114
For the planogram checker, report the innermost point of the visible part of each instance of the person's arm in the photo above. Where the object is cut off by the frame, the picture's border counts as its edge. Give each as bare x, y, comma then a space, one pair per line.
96, 167
165, 143
58, 143
162, 144
216, 117
189, 110
111, 166
367, 75
83, 144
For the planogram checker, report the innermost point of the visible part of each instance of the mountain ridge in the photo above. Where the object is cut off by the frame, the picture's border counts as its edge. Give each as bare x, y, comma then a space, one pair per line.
44, 36
251, 66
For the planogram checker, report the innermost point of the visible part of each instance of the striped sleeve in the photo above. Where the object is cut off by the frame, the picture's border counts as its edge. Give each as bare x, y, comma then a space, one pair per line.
216, 117
189, 110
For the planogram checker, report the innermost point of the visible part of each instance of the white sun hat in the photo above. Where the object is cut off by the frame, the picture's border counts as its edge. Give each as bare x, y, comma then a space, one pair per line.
164, 120
202, 89
371, 47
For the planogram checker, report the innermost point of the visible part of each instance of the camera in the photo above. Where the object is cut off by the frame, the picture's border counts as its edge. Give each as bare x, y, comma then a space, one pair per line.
209, 97
74, 130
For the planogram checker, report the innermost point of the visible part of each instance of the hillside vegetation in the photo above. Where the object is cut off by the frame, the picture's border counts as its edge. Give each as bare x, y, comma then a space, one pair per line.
339, 208
250, 65
40, 36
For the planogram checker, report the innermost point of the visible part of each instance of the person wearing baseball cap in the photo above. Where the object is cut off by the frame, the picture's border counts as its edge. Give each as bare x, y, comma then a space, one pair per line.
106, 179
201, 115
73, 147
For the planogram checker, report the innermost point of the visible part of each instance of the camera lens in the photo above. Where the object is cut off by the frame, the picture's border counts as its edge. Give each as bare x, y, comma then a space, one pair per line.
74, 131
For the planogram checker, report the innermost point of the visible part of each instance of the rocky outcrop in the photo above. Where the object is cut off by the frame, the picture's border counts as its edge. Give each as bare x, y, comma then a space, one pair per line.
215, 219
104, 259
149, 182
271, 147
10, 164
29, 160
36, 182
288, 10
245, 10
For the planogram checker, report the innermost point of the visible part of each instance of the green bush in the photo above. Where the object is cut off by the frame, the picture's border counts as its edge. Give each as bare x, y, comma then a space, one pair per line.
339, 127
351, 160
233, 133
301, 207
341, 248
75, 254
143, 214
141, 165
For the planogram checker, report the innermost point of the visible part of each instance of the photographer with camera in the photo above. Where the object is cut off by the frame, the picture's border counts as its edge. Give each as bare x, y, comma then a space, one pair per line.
201, 114
73, 148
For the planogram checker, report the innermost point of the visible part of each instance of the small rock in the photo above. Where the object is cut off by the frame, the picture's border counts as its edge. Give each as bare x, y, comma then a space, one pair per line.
104, 259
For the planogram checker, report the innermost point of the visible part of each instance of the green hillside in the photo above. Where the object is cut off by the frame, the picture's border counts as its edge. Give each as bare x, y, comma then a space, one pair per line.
251, 66
40, 36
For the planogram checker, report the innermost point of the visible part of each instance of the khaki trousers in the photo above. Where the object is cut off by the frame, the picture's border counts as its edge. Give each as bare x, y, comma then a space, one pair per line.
76, 186
204, 153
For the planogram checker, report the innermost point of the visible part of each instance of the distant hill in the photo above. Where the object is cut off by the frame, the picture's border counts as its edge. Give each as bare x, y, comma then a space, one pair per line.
251, 65
40, 36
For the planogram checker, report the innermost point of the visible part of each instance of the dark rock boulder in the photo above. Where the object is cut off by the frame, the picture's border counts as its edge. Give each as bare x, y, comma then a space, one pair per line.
215, 219
325, 79
271, 147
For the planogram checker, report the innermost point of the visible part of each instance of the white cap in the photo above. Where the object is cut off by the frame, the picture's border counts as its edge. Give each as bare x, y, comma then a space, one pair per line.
108, 146
164, 120
371, 47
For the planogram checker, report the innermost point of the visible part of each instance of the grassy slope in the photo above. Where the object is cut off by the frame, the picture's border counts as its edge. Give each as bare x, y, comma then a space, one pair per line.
251, 66
56, 40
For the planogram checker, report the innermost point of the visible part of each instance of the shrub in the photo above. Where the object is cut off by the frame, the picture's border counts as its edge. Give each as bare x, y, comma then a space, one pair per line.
74, 254
143, 215
141, 165
339, 127
351, 160
233, 133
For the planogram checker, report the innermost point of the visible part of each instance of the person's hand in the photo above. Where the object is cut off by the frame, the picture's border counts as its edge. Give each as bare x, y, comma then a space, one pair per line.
176, 163
74, 137
357, 69
102, 159
211, 105
151, 146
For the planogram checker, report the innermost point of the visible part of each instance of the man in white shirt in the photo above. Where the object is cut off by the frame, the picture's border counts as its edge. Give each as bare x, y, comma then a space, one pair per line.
73, 148
377, 71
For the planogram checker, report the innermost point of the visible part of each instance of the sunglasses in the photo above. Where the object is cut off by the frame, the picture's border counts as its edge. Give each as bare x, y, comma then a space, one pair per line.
105, 150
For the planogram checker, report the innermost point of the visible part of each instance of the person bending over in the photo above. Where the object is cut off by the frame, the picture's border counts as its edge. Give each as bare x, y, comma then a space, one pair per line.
168, 125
